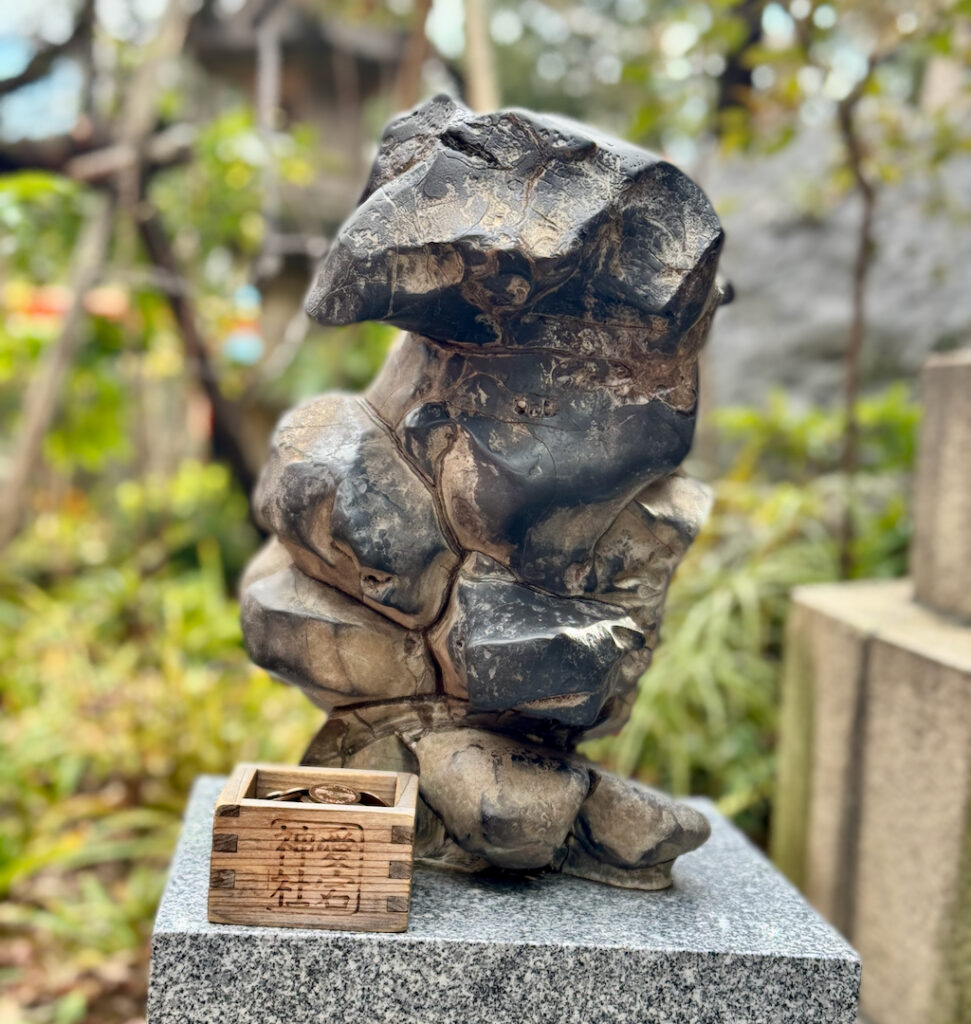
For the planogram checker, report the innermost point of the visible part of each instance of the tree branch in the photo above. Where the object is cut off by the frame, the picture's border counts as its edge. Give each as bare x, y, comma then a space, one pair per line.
408, 84
480, 65
40, 64
45, 388
170, 146
99, 162
227, 434
269, 69
855, 158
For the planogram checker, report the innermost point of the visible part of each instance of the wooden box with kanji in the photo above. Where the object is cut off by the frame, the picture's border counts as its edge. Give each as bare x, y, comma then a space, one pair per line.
313, 848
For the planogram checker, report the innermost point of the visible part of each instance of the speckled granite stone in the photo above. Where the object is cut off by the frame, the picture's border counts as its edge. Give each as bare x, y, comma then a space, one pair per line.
730, 942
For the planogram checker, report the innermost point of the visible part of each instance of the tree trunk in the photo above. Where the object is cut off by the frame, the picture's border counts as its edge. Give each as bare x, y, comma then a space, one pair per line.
45, 390
408, 85
854, 348
479, 64
227, 433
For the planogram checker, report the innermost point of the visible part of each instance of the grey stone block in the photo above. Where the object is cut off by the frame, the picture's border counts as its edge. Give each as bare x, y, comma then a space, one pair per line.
940, 552
732, 941
876, 747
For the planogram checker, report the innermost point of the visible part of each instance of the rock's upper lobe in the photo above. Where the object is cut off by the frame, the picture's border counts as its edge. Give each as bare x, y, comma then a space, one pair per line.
502, 228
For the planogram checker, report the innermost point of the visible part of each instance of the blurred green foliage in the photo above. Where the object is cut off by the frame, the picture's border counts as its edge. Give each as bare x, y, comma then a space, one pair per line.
706, 714
40, 214
782, 443
123, 677
215, 201
342, 358
122, 673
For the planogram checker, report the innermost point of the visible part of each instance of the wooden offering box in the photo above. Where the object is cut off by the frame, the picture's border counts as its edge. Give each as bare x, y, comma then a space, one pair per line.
313, 865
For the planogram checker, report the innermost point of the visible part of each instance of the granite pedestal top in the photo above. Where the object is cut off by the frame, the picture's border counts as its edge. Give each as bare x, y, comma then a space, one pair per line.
731, 941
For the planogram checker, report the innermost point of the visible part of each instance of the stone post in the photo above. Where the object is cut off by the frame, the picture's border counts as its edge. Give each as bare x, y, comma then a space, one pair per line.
874, 802
941, 551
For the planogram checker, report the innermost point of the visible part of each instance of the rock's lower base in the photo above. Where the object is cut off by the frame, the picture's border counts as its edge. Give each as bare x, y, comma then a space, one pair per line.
730, 941
492, 800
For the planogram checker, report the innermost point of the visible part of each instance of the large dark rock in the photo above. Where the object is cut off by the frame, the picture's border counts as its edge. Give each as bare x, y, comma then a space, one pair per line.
507, 488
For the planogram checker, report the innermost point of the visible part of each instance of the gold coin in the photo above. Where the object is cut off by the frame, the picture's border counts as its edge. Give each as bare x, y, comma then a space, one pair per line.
292, 795
331, 793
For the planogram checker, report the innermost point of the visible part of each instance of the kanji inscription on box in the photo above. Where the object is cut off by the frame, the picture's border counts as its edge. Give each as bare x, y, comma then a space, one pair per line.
313, 848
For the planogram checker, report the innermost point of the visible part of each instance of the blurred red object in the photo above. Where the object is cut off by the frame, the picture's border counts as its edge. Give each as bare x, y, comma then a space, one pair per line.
48, 303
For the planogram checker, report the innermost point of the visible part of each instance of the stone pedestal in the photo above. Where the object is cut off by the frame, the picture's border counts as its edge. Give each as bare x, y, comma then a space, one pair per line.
873, 811
731, 941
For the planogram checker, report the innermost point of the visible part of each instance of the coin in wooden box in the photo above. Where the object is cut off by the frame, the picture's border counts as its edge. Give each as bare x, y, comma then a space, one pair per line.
313, 848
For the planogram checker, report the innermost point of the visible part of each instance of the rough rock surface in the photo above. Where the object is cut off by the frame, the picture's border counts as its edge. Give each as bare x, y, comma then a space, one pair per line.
352, 512
526, 232
507, 489
334, 648
506, 646
629, 834
635, 559
509, 802
534, 454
